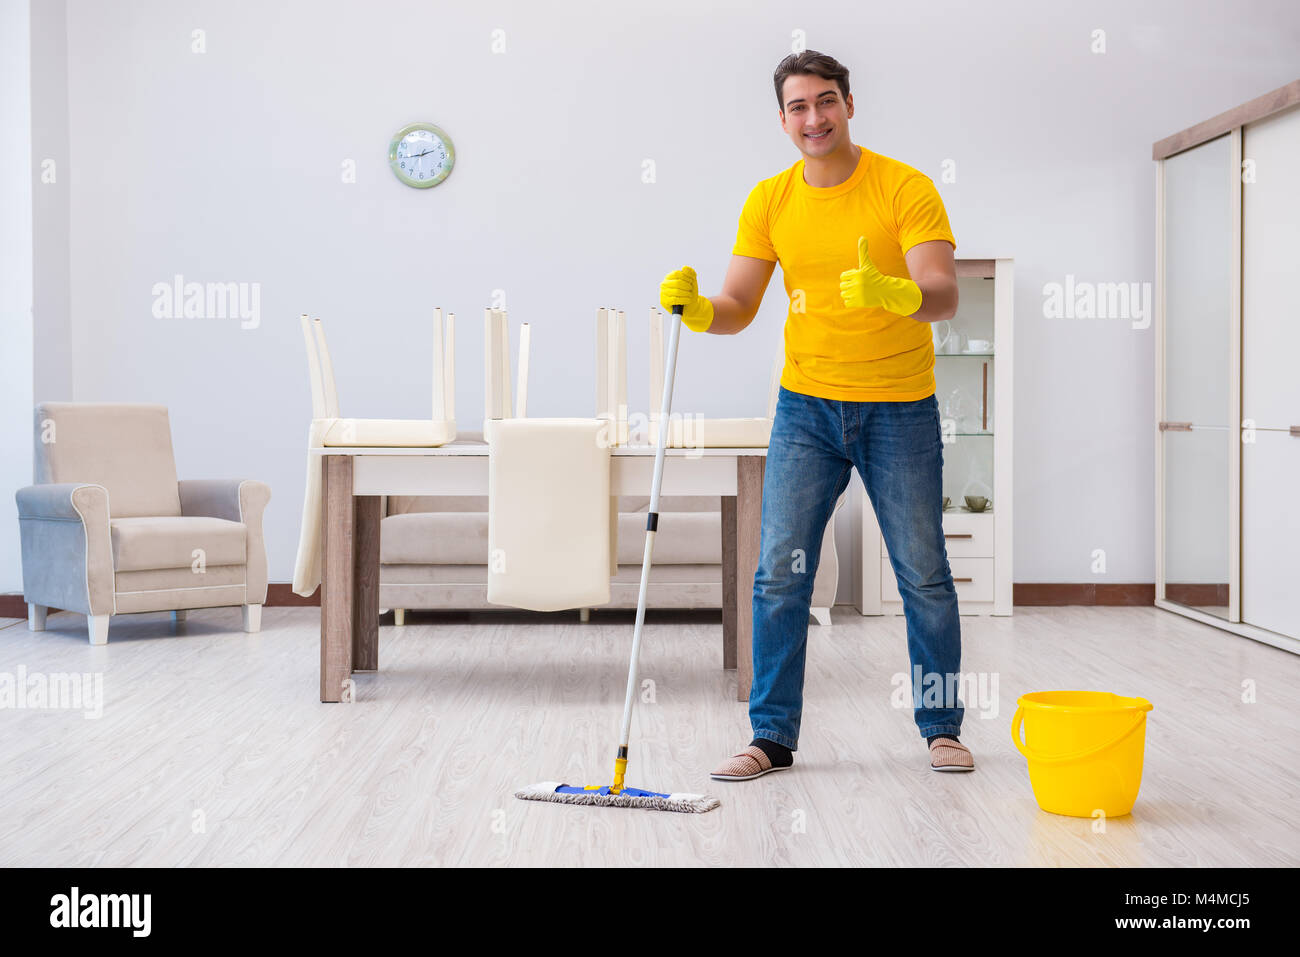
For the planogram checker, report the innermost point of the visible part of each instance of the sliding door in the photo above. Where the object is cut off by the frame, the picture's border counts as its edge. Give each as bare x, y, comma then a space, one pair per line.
1270, 308
1196, 423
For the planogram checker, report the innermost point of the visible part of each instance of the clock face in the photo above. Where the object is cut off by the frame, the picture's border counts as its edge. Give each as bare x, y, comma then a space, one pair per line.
421, 155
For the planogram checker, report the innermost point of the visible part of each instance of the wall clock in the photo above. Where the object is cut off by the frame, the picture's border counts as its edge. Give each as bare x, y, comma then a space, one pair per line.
421, 155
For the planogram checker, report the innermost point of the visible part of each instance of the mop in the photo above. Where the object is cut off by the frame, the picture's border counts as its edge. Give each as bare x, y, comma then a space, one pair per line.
616, 795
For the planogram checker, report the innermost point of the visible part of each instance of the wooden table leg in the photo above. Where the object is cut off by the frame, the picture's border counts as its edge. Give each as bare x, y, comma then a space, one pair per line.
338, 573
729, 586
365, 603
749, 523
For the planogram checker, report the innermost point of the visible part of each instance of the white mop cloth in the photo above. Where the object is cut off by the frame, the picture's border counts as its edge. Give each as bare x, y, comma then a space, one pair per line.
548, 514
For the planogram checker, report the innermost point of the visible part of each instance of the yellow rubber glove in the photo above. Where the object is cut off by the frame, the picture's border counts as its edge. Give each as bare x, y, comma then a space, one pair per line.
680, 288
866, 286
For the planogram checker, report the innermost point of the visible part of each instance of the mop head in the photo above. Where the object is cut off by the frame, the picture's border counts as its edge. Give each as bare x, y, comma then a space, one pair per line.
627, 797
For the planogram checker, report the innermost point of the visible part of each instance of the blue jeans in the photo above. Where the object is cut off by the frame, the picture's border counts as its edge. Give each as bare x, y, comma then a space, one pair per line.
898, 451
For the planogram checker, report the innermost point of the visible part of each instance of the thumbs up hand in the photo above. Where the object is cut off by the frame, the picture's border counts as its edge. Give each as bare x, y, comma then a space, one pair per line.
867, 288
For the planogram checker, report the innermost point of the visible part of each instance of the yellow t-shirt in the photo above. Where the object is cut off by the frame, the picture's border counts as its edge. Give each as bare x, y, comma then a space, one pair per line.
832, 351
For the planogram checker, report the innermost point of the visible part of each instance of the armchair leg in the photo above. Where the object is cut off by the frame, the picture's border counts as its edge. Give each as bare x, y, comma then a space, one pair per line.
36, 617
823, 616
178, 616
97, 625
252, 618
399, 617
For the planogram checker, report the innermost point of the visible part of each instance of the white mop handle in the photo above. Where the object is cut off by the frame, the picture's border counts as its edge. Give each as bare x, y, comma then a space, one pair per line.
651, 523
665, 412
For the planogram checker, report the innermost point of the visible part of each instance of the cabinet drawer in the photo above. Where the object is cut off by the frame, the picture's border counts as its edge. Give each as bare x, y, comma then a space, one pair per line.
979, 571
965, 535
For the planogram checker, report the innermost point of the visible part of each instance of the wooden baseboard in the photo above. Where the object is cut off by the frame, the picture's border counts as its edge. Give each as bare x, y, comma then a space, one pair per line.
1083, 593
12, 606
1023, 593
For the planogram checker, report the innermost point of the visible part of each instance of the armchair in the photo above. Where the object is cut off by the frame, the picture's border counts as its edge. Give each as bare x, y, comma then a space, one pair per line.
107, 529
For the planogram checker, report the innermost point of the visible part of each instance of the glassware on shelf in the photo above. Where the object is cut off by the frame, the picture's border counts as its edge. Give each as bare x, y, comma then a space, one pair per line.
963, 409
945, 339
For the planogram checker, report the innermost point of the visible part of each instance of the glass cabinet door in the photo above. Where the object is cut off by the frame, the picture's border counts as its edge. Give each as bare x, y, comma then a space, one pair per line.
1196, 431
963, 374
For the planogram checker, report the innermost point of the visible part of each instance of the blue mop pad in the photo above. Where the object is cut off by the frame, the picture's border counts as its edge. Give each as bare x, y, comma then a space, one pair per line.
624, 797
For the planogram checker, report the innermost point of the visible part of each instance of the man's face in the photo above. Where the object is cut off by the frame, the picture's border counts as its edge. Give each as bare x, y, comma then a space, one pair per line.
813, 105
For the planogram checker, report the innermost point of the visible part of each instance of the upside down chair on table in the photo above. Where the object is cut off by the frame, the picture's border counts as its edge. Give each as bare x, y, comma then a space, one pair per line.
434, 550
329, 430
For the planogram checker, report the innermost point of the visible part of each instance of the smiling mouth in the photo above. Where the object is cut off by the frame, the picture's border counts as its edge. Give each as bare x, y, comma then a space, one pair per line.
818, 136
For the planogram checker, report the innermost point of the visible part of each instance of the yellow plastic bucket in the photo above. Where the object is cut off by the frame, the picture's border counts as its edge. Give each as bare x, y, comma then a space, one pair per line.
1084, 750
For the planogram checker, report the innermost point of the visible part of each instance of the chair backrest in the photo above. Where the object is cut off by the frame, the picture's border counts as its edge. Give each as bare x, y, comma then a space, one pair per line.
313, 366
496, 366
327, 373
324, 390
124, 446
611, 362
611, 373
658, 361
444, 356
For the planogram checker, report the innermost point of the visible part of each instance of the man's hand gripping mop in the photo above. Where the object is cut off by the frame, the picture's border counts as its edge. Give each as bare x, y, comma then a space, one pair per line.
616, 795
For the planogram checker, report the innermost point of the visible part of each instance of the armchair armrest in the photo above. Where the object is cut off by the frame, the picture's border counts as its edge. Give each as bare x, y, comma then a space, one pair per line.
67, 547
55, 501
235, 500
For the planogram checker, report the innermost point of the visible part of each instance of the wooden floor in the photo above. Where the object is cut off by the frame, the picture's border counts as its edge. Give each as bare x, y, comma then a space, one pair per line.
213, 747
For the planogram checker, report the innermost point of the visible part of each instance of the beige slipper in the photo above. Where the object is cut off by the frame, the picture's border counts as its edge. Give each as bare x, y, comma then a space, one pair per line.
949, 755
752, 762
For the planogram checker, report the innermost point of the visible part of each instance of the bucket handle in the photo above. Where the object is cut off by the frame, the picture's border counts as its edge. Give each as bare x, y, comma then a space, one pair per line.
1032, 755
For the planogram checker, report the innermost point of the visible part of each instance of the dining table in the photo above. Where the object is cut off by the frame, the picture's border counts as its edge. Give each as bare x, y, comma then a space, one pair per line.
355, 480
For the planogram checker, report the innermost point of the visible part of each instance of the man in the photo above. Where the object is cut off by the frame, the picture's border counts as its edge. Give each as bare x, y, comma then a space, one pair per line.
867, 253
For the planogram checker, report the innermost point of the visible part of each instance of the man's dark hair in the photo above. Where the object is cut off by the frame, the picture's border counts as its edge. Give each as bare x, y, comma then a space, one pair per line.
812, 63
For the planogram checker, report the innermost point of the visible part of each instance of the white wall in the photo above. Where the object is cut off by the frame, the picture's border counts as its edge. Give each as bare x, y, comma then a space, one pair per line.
15, 278
225, 166
51, 202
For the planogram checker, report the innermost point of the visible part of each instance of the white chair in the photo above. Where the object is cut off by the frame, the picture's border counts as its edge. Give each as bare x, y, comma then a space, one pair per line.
689, 431
330, 430
337, 432
496, 369
611, 373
